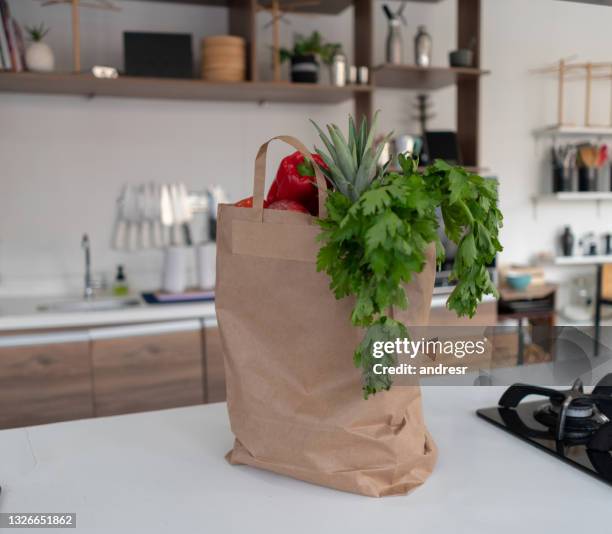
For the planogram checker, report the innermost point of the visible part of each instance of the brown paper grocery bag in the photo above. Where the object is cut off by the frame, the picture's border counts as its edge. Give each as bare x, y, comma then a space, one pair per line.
293, 394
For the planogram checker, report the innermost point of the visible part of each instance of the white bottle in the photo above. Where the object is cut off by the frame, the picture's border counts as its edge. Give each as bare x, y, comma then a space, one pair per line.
422, 48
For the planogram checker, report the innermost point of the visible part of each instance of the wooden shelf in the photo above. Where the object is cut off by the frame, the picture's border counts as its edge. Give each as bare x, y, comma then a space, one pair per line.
583, 260
327, 7
413, 77
133, 87
575, 131
577, 196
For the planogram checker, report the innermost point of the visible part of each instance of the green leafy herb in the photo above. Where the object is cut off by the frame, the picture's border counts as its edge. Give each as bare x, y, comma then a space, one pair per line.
375, 236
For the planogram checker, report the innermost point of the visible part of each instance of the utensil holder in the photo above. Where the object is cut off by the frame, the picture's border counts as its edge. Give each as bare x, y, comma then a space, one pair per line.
563, 178
588, 179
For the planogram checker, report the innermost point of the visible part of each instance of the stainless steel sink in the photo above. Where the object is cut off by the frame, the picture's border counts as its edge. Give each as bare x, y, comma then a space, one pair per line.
95, 304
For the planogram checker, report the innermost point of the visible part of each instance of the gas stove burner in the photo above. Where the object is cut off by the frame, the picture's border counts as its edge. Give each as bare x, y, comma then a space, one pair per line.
574, 426
580, 409
579, 422
570, 414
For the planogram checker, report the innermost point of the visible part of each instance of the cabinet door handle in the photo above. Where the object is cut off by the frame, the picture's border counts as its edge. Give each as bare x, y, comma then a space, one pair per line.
54, 338
44, 360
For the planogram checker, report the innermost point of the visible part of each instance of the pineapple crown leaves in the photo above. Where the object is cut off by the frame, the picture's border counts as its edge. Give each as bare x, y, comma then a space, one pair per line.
353, 164
37, 33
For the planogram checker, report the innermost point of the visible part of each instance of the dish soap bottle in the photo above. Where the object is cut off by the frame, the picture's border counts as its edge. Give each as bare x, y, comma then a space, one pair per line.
120, 287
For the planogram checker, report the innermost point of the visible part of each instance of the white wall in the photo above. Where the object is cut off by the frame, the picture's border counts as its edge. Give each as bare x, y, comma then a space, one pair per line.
64, 159
521, 35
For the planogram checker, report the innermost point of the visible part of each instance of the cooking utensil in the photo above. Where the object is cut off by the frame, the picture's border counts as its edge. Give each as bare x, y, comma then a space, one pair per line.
120, 232
144, 228
152, 217
176, 237
587, 155
165, 205
155, 215
185, 213
132, 216
602, 155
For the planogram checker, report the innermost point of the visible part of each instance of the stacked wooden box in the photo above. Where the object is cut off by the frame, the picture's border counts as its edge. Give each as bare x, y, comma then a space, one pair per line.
224, 58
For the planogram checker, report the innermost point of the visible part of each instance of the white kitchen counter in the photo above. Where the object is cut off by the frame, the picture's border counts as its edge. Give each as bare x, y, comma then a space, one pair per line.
165, 472
22, 314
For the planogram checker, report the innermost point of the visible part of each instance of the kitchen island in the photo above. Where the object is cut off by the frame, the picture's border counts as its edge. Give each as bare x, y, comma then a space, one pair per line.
164, 471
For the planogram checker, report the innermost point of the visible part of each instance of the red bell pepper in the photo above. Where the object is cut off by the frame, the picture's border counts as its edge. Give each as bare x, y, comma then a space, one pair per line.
295, 181
248, 203
290, 205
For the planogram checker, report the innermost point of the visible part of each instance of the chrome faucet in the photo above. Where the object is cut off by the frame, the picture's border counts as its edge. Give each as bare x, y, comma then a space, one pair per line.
89, 289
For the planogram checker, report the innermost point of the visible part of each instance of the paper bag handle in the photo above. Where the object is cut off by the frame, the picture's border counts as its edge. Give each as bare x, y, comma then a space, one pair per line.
259, 180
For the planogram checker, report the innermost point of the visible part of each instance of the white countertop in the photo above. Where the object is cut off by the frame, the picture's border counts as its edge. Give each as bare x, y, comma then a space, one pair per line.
23, 314
165, 472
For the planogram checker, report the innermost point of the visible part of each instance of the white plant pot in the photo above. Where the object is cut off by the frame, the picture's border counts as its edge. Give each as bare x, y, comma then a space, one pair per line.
39, 57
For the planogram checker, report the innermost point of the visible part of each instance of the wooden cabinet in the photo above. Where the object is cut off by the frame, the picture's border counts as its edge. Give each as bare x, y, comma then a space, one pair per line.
59, 376
444, 325
215, 372
147, 367
44, 378
486, 315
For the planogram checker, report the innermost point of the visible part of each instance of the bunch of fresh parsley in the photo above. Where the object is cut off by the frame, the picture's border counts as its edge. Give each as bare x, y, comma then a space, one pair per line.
373, 246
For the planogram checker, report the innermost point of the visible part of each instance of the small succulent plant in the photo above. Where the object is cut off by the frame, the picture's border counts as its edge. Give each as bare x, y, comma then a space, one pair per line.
37, 33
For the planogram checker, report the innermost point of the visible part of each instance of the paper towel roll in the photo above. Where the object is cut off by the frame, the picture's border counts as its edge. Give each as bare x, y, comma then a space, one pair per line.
174, 271
206, 259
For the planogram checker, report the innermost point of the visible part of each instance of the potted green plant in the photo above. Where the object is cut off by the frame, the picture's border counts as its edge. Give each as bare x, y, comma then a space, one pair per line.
304, 55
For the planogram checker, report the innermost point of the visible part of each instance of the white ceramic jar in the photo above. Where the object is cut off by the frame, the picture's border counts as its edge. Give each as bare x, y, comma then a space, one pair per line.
39, 57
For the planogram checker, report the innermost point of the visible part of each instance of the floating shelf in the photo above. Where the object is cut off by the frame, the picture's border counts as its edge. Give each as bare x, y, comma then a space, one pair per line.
183, 89
583, 260
569, 131
577, 196
574, 196
413, 77
328, 7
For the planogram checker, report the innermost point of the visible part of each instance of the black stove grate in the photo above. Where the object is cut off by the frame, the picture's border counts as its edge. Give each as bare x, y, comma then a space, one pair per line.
571, 425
